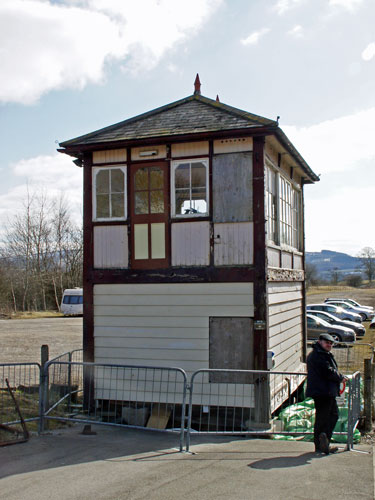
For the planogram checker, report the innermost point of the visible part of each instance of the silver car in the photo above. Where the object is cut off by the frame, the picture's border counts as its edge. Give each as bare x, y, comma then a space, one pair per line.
340, 312
358, 328
350, 301
365, 313
317, 326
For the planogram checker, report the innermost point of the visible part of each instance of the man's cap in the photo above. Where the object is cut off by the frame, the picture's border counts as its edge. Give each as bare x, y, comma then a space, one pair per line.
326, 336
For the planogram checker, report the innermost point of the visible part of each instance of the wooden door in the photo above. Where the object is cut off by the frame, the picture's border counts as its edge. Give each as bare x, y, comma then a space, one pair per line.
149, 195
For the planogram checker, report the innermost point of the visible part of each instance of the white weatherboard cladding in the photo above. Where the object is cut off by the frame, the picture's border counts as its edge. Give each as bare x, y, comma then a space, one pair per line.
233, 243
163, 324
109, 156
233, 145
285, 317
191, 243
190, 149
111, 247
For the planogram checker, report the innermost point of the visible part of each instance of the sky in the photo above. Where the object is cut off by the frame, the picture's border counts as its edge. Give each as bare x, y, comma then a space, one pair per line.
69, 67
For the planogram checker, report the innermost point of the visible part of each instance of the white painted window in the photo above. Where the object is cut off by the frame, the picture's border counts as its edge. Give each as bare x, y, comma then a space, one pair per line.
189, 185
271, 205
109, 193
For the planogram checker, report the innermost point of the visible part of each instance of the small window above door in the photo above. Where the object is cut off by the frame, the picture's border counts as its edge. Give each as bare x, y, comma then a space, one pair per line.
109, 193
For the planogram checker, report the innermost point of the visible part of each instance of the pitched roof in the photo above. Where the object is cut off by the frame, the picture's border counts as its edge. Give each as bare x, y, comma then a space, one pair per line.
177, 118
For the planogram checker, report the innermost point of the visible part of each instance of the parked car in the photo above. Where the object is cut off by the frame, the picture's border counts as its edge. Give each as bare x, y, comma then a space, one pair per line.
359, 329
350, 301
365, 314
340, 312
317, 326
372, 324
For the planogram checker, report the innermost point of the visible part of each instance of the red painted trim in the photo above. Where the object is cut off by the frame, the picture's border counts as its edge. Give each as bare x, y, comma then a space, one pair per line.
260, 261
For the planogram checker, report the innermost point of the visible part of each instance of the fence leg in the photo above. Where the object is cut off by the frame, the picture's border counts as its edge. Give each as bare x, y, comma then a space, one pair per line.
367, 395
43, 387
349, 441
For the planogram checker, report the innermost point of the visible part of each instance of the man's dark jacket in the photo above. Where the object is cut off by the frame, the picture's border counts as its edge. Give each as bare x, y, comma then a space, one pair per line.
323, 377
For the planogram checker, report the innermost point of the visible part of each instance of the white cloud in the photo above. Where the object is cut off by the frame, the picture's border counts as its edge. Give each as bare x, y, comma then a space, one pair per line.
336, 145
346, 4
369, 52
47, 45
296, 31
283, 6
53, 174
254, 37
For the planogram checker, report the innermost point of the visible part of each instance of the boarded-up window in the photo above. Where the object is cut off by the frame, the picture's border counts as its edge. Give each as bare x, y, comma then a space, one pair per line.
232, 187
231, 348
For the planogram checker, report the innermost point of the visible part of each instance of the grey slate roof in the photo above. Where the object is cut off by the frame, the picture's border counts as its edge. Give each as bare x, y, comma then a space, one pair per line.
177, 118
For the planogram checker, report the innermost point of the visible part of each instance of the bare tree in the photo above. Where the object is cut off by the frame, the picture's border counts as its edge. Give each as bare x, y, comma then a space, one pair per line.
311, 275
367, 257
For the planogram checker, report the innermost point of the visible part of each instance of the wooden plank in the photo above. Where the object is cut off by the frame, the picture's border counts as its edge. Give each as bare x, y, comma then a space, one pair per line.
187, 365
273, 257
232, 187
159, 322
233, 244
284, 307
174, 356
111, 247
109, 156
174, 300
160, 149
277, 298
233, 145
159, 417
187, 149
174, 288
149, 342
191, 244
278, 287
286, 260
188, 332
219, 310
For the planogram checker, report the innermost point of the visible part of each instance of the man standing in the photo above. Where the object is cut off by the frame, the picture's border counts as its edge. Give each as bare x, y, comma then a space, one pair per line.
323, 385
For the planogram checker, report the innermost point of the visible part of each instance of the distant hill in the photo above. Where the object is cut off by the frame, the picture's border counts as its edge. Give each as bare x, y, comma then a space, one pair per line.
327, 261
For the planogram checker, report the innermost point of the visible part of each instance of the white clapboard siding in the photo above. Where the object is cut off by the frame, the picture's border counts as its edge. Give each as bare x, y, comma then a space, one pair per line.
190, 149
273, 256
191, 243
161, 152
233, 145
109, 156
163, 324
233, 243
285, 316
111, 247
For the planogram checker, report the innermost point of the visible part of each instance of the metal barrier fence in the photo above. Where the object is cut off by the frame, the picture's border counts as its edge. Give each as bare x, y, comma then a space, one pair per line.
19, 398
354, 407
238, 402
349, 357
151, 398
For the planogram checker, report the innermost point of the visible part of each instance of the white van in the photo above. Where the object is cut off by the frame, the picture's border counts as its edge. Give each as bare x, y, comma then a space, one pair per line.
72, 302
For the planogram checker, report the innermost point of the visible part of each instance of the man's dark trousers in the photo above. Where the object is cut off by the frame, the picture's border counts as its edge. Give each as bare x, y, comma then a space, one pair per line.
326, 416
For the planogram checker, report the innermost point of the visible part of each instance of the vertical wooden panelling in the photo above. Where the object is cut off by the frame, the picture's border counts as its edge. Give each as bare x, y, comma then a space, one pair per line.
286, 260
109, 156
233, 145
232, 189
273, 257
190, 149
233, 244
191, 244
111, 247
298, 262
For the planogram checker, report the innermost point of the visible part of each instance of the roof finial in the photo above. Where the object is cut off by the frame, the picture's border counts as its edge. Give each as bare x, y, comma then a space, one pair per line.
197, 86
217, 98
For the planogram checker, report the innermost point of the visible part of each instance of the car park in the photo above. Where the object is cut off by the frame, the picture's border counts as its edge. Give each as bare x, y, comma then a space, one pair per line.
317, 326
358, 328
340, 312
365, 314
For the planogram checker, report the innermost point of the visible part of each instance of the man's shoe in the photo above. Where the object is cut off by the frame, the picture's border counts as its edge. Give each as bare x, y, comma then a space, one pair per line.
324, 443
333, 449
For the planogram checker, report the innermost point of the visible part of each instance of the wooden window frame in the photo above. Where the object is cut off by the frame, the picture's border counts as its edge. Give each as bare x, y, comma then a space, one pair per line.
174, 165
95, 171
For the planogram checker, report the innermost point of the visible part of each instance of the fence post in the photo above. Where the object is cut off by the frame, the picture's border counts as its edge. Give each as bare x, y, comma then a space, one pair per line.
43, 386
367, 395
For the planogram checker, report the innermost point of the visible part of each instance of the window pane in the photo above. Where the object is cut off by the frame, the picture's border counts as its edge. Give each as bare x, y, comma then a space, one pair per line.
102, 205
157, 202
66, 299
182, 176
80, 299
102, 182
156, 178
74, 299
158, 241
182, 201
117, 180
141, 179
117, 205
141, 202
198, 175
141, 241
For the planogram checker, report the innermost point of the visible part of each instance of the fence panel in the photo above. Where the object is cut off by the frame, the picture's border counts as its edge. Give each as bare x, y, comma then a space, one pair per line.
253, 402
354, 407
152, 398
22, 381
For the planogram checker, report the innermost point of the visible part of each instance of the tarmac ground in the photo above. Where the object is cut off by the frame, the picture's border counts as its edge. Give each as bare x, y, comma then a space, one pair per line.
118, 463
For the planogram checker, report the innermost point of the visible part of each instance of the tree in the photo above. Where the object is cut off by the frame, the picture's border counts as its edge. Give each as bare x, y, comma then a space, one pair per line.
311, 275
335, 276
354, 280
367, 257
